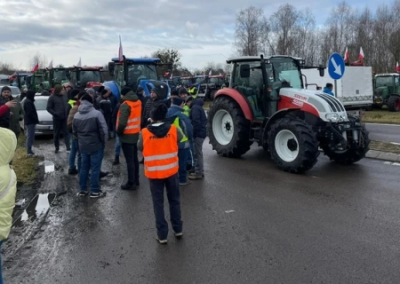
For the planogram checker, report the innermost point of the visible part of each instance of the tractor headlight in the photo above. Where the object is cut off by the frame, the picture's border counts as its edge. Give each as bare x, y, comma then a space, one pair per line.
332, 117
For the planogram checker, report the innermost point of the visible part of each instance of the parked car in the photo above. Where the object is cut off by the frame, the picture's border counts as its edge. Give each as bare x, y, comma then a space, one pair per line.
45, 126
15, 91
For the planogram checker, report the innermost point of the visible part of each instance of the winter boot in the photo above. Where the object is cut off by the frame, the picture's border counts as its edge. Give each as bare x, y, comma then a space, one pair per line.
116, 161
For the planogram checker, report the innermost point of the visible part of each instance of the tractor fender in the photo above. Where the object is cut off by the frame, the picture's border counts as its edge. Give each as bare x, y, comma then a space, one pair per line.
239, 98
113, 87
279, 114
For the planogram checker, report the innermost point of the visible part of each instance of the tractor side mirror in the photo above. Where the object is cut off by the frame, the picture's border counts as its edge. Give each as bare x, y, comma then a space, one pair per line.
321, 71
111, 67
245, 71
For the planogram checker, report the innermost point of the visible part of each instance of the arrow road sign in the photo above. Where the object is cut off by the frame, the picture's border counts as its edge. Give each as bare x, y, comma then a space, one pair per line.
336, 66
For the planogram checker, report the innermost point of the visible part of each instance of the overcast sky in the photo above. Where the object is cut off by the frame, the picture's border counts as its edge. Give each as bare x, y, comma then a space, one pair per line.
64, 30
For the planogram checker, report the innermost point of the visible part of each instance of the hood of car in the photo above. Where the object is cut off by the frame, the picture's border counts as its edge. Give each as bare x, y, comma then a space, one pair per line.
44, 115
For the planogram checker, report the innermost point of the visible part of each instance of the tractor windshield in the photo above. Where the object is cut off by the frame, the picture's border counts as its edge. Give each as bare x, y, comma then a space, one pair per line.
90, 76
381, 81
59, 76
199, 80
141, 71
186, 82
286, 70
216, 80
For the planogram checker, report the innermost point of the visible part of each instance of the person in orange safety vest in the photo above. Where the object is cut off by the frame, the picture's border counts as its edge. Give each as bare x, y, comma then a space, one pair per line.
159, 144
128, 129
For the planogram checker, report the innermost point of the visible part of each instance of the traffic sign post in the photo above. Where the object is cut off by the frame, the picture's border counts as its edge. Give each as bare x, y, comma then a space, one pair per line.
336, 68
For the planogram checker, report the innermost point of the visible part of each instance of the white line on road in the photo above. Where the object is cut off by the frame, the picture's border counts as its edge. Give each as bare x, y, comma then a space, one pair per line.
392, 163
386, 124
229, 211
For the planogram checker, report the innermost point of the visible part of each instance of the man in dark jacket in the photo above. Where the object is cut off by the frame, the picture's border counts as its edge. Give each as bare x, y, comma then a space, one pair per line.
150, 103
5, 117
128, 129
16, 112
30, 120
199, 122
57, 106
182, 122
91, 130
105, 107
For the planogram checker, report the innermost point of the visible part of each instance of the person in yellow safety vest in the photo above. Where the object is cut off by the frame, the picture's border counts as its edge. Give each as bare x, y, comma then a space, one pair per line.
159, 143
182, 122
183, 93
128, 129
193, 92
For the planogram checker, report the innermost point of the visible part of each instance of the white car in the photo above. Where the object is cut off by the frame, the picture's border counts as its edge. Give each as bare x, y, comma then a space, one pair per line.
45, 126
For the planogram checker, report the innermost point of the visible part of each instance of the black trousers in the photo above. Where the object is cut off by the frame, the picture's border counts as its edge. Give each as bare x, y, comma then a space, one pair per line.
132, 162
60, 126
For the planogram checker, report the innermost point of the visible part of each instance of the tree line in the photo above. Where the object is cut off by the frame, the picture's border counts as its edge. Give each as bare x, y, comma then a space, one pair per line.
290, 31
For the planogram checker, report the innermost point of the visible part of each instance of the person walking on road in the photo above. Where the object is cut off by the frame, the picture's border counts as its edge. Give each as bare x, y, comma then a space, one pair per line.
128, 129
30, 120
57, 106
16, 112
8, 185
74, 102
91, 130
117, 147
182, 122
199, 122
159, 144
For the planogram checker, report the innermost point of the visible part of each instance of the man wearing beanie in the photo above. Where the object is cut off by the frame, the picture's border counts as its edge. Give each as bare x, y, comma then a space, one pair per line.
128, 129
57, 106
159, 144
16, 112
91, 130
182, 122
155, 98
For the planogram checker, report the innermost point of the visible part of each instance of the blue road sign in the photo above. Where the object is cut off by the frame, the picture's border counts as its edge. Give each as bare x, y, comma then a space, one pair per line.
336, 66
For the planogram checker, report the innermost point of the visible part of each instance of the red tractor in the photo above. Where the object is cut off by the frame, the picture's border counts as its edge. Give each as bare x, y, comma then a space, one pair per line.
267, 103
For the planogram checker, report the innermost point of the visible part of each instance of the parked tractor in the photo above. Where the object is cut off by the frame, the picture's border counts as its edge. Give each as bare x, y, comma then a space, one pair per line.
387, 91
187, 81
209, 87
135, 72
85, 77
267, 103
57, 76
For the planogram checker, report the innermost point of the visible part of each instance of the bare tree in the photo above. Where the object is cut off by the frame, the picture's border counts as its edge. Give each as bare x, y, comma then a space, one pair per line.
38, 58
250, 26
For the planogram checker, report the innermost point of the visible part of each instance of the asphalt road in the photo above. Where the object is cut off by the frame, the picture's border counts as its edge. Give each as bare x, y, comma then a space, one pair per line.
384, 132
246, 222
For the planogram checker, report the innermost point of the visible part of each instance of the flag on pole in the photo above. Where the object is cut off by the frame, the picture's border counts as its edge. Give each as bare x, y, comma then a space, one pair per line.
172, 76
346, 56
51, 64
397, 67
79, 63
361, 55
35, 66
210, 73
120, 51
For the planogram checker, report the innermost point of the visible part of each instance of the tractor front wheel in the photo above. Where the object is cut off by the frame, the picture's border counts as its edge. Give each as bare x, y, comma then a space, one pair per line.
393, 103
293, 145
228, 129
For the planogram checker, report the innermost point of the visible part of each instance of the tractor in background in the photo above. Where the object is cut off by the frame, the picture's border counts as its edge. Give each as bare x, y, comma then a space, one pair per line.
210, 85
266, 103
135, 72
57, 76
85, 77
387, 91
187, 81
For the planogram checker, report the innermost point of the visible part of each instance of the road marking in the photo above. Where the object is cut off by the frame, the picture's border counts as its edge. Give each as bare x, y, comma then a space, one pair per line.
229, 211
394, 143
386, 124
392, 163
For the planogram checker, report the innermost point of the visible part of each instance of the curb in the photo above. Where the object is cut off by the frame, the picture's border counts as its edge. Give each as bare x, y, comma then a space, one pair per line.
384, 156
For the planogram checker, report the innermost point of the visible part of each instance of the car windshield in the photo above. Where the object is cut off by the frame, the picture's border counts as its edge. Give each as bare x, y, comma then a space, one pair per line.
40, 104
90, 76
384, 81
285, 70
141, 71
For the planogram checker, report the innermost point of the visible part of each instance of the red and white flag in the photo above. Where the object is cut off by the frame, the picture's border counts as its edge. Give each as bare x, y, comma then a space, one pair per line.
210, 73
120, 51
346, 56
397, 67
51, 64
361, 55
79, 63
172, 76
35, 67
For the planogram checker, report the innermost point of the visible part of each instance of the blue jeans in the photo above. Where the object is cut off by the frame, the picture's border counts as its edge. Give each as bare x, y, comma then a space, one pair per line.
182, 155
73, 153
30, 138
1, 274
173, 195
91, 162
117, 148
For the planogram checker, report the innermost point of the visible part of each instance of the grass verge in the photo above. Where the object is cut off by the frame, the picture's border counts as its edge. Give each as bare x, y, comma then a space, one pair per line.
381, 116
385, 147
25, 167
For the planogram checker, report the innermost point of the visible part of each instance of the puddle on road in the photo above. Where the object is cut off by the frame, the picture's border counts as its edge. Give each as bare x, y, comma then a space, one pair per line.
38, 206
48, 166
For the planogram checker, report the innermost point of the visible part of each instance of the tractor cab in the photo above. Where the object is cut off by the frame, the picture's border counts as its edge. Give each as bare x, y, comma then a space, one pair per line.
39, 81
387, 91
21, 80
135, 72
85, 77
58, 76
187, 81
260, 80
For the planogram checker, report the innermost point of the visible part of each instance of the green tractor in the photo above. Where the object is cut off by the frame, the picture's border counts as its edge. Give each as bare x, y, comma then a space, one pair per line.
56, 76
39, 81
387, 91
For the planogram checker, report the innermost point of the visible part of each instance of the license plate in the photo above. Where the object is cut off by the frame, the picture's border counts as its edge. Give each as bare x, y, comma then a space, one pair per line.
50, 127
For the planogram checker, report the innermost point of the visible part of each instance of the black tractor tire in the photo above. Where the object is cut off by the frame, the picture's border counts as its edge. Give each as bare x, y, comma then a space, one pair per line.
353, 154
393, 103
307, 144
212, 94
240, 142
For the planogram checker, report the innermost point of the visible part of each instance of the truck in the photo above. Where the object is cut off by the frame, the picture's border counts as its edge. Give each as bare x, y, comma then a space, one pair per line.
354, 89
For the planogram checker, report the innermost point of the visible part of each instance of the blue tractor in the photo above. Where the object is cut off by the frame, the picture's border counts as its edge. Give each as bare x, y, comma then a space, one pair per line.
135, 72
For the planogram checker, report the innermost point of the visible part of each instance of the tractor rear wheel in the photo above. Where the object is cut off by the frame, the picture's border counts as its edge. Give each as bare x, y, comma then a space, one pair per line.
351, 155
393, 103
212, 94
228, 129
293, 145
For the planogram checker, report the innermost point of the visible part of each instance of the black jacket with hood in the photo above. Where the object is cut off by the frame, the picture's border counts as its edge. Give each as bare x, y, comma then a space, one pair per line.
57, 106
30, 113
198, 118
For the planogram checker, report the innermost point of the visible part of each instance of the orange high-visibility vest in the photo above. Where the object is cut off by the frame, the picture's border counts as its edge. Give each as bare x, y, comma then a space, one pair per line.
134, 119
160, 154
